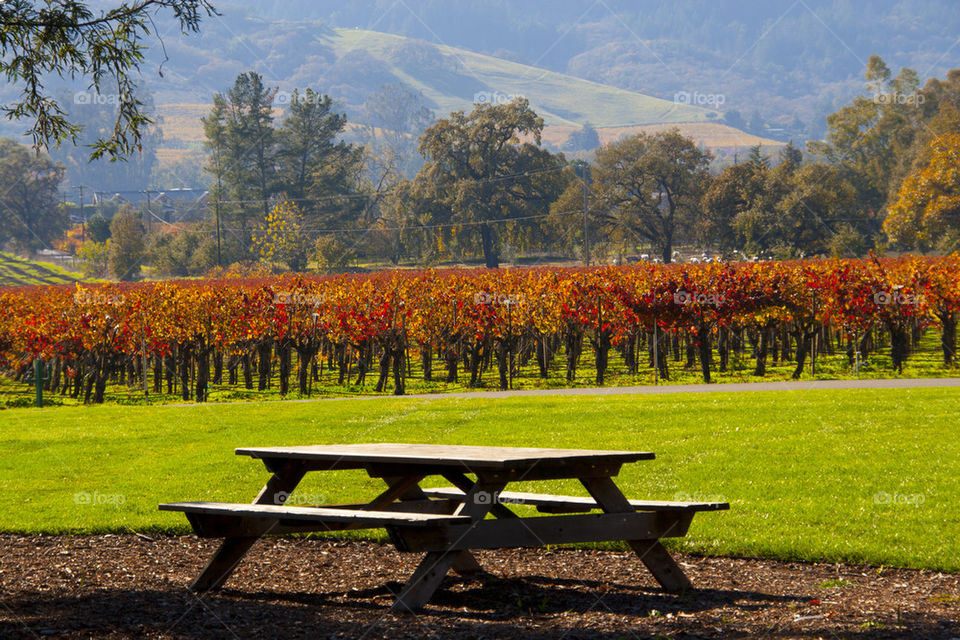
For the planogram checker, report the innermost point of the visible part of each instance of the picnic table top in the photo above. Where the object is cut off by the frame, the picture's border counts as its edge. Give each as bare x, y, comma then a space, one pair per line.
444, 455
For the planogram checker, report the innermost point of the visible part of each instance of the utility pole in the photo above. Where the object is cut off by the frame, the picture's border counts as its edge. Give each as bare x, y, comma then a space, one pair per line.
586, 222
83, 217
217, 210
149, 212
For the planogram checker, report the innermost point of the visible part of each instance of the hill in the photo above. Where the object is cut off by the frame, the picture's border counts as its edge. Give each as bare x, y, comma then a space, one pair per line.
15, 271
453, 79
356, 63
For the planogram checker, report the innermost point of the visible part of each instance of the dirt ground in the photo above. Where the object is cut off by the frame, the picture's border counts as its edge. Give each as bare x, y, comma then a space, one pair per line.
135, 587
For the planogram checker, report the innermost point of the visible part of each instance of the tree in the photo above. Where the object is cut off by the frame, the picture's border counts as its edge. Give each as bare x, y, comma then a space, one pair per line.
126, 244
30, 211
95, 258
331, 254
649, 185
479, 171
583, 139
397, 116
819, 204
870, 136
317, 170
738, 189
66, 39
98, 228
927, 208
98, 117
307, 142
239, 131
280, 237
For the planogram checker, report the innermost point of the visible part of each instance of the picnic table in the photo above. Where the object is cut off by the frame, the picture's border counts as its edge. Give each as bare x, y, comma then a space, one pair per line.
446, 523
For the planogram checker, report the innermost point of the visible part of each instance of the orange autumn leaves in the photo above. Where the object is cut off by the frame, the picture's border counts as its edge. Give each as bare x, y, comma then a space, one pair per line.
439, 308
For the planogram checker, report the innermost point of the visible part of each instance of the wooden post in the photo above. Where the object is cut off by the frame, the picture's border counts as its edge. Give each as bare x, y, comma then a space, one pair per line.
231, 551
651, 552
432, 569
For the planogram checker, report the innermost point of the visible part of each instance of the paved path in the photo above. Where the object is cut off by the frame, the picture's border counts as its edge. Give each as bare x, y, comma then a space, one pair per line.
792, 385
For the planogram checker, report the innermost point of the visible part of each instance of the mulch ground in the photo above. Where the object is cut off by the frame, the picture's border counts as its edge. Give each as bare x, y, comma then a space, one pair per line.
128, 586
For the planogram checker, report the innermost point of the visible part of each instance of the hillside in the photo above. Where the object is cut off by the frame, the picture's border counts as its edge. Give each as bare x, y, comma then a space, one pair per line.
453, 79
359, 61
15, 271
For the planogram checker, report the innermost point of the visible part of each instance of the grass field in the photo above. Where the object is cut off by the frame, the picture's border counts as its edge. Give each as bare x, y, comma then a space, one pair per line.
854, 475
15, 271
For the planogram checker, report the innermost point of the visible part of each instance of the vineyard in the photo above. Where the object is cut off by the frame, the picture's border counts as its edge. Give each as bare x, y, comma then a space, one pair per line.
296, 334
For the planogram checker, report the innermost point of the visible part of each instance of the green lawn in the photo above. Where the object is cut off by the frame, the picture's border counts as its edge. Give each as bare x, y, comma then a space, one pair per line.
853, 475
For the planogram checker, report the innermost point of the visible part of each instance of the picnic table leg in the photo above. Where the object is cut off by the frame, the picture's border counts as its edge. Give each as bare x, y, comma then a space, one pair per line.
223, 563
432, 569
652, 553
465, 564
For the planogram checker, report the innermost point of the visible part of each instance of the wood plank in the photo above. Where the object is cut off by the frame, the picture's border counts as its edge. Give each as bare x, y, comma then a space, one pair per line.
548, 470
469, 458
413, 499
537, 532
285, 478
370, 518
465, 485
575, 504
430, 572
658, 561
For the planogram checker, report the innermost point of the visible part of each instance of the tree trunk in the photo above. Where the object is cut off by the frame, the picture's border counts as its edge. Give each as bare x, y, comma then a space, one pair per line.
264, 353
761, 353
247, 371
899, 347
948, 338
490, 258
399, 382
706, 351
203, 373
452, 360
601, 349
283, 355
183, 363
384, 371
426, 359
723, 347
543, 356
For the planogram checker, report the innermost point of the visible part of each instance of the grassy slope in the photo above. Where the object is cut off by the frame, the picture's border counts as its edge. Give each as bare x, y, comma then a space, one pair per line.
558, 98
565, 102
800, 469
16, 271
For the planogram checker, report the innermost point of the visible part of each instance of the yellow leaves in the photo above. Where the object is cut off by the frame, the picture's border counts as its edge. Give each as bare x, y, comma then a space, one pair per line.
929, 198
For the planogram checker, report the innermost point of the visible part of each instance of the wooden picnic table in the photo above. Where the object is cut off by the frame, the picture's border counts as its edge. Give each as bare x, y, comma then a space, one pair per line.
446, 523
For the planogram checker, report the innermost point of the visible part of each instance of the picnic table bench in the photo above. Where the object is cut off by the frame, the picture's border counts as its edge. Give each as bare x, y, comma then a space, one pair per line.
446, 523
